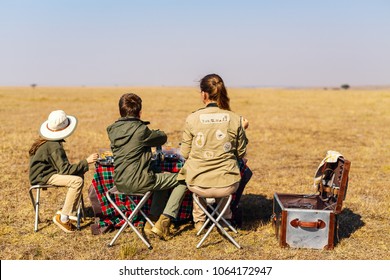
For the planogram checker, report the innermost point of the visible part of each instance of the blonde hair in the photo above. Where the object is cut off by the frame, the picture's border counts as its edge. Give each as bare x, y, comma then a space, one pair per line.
37, 143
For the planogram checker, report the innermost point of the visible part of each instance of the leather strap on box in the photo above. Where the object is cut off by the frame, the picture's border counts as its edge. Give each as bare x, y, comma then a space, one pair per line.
318, 225
334, 191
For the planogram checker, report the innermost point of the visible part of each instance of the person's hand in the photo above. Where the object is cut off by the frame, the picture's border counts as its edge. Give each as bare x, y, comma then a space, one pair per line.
245, 123
92, 158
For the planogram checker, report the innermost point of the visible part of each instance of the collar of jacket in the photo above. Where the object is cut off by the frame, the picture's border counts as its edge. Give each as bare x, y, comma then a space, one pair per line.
213, 104
59, 141
210, 105
132, 119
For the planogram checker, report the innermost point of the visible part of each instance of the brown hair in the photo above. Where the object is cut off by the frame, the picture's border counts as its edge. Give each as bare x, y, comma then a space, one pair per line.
215, 87
130, 105
37, 143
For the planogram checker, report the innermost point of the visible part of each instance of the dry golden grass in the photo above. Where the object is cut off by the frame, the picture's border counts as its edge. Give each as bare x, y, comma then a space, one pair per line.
290, 132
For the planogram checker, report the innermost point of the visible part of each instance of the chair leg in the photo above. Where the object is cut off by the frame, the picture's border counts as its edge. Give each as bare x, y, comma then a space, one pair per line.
37, 209
80, 212
35, 203
215, 212
143, 201
128, 220
117, 234
215, 221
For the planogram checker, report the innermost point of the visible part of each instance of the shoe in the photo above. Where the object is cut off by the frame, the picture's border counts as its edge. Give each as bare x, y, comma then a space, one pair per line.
148, 227
225, 226
198, 225
67, 226
161, 227
73, 218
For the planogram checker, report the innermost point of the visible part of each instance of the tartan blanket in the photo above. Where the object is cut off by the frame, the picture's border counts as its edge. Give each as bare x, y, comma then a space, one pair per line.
103, 181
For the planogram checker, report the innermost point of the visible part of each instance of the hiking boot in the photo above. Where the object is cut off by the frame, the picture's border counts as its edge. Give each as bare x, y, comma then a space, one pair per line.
161, 227
198, 225
67, 226
148, 227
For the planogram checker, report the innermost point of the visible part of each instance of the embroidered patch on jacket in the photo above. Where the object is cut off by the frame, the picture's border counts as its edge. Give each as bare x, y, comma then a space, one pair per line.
227, 146
208, 154
199, 140
220, 135
214, 118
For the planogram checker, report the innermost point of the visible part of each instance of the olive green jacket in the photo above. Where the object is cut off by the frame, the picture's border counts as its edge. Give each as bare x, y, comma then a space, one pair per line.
50, 159
213, 140
131, 142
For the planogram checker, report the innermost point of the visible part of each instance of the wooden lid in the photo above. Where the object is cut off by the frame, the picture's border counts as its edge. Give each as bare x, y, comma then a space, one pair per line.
334, 183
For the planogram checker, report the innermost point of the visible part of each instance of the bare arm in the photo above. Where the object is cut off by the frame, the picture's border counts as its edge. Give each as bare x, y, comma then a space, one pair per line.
92, 158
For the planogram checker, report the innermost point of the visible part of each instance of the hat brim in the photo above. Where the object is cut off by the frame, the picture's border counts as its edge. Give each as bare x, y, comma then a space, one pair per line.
48, 134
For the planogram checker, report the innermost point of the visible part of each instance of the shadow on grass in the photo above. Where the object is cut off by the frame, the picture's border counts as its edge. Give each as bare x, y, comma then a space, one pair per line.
89, 212
255, 209
90, 216
349, 222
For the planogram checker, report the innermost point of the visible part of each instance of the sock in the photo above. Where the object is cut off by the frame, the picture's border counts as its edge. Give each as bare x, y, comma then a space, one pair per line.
64, 218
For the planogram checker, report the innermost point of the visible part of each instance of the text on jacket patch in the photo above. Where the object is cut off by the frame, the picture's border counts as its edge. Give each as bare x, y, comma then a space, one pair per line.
214, 118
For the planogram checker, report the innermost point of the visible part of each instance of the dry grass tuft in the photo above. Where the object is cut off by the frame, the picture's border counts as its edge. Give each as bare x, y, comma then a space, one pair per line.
290, 132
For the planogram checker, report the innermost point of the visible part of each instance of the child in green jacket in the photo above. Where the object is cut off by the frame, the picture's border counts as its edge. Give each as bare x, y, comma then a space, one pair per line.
50, 165
131, 143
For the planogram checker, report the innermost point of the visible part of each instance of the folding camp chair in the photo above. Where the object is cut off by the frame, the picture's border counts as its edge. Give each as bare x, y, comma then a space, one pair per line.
215, 221
35, 202
129, 219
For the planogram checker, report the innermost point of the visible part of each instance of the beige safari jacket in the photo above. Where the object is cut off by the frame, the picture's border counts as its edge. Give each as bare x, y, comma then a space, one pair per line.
213, 140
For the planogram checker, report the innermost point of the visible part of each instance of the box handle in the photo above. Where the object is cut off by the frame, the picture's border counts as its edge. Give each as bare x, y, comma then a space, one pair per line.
318, 225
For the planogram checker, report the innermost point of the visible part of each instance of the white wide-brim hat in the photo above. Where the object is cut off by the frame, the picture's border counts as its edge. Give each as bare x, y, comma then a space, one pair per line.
58, 126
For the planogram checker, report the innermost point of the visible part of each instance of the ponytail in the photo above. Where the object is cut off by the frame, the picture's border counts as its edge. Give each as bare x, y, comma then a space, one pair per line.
215, 87
223, 99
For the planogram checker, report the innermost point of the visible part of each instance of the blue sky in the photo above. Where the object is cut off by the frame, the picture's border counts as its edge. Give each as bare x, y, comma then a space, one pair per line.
175, 43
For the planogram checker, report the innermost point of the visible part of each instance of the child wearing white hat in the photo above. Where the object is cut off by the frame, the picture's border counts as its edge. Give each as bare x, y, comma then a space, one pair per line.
50, 165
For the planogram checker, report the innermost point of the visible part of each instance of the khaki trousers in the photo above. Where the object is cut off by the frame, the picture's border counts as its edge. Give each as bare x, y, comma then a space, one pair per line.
218, 194
75, 187
168, 194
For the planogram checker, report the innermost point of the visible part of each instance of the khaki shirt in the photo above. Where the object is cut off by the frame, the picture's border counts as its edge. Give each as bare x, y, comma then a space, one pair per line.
213, 140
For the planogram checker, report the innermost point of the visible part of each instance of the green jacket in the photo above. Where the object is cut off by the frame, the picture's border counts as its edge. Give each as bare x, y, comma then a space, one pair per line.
131, 142
213, 140
50, 159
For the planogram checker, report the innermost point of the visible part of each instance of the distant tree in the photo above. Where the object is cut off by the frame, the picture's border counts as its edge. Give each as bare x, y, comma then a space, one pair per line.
33, 86
345, 86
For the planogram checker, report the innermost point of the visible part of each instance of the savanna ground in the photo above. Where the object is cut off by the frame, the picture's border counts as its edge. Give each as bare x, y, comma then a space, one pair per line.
290, 132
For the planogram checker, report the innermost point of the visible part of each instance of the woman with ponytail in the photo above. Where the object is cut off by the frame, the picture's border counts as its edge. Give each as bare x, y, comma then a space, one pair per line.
215, 87
212, 143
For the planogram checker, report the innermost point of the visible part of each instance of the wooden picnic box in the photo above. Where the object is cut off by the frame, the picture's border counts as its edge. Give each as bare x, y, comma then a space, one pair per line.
311, 221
